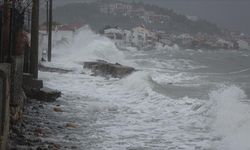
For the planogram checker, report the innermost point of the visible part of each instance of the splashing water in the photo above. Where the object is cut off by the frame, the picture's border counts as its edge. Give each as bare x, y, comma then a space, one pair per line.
87, 46
131, 114
232, 118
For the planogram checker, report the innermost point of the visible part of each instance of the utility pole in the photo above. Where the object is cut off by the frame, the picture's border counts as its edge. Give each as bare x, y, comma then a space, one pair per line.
34, 38
29, 20
2, 35
50, 30
47, 16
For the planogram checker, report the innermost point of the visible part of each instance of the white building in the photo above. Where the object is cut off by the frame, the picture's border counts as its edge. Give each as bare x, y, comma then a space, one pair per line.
61, 35
243, 45
139, 37
116, 34
142, 36
128, 37
65, 33
224, 44
116, 8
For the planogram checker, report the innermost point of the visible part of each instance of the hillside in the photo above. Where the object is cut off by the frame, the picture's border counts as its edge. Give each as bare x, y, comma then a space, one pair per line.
128, 15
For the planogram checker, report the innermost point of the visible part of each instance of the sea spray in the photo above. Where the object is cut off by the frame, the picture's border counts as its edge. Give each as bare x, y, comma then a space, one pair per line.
232, 118
131, 113
86, 46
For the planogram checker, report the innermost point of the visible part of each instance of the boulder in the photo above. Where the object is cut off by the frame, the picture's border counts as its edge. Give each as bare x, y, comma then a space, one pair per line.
30, 83
57, 109
44, 94
71, 125
103, 68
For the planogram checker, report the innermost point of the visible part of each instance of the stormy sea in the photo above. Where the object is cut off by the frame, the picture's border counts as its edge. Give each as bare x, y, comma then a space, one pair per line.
177, 99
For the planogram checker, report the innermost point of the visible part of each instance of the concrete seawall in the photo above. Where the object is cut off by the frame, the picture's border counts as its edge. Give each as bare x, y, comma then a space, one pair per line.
5, 84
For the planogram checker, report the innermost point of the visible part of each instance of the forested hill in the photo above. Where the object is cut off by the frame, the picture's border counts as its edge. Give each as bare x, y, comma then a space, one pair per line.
128, 15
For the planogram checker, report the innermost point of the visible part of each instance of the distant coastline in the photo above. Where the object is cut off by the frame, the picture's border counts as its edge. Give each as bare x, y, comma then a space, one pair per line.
228, 13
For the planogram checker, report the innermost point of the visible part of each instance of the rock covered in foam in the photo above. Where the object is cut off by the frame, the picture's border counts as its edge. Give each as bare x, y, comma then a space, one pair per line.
44, 94
104, 68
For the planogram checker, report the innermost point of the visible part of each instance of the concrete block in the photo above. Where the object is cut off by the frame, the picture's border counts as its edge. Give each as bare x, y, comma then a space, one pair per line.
44, 94
30, 83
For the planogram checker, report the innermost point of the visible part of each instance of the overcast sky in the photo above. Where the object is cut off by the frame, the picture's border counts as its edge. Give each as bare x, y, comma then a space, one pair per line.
233, 14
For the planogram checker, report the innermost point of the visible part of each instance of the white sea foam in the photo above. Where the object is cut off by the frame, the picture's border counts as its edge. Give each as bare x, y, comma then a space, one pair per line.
232, 118
129, 113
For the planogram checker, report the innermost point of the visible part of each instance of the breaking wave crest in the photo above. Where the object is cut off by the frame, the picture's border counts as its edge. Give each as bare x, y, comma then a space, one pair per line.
232, 118
138, 81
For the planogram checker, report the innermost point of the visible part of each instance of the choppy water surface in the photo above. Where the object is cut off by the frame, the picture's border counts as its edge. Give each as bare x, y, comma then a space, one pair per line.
179, 99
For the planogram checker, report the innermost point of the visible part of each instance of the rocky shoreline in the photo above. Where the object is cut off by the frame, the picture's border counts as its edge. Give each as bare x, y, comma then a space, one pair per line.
38, 127
43, 123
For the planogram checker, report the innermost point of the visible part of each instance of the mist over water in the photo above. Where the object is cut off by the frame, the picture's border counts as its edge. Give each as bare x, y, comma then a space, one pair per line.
178, 99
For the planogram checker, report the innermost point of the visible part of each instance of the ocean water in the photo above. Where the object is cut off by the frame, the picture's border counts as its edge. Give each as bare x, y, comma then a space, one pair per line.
178, 99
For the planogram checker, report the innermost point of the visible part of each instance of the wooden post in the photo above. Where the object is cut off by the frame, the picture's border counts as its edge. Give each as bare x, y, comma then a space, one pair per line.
10, 42
50, 30
5, 31
34, 38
